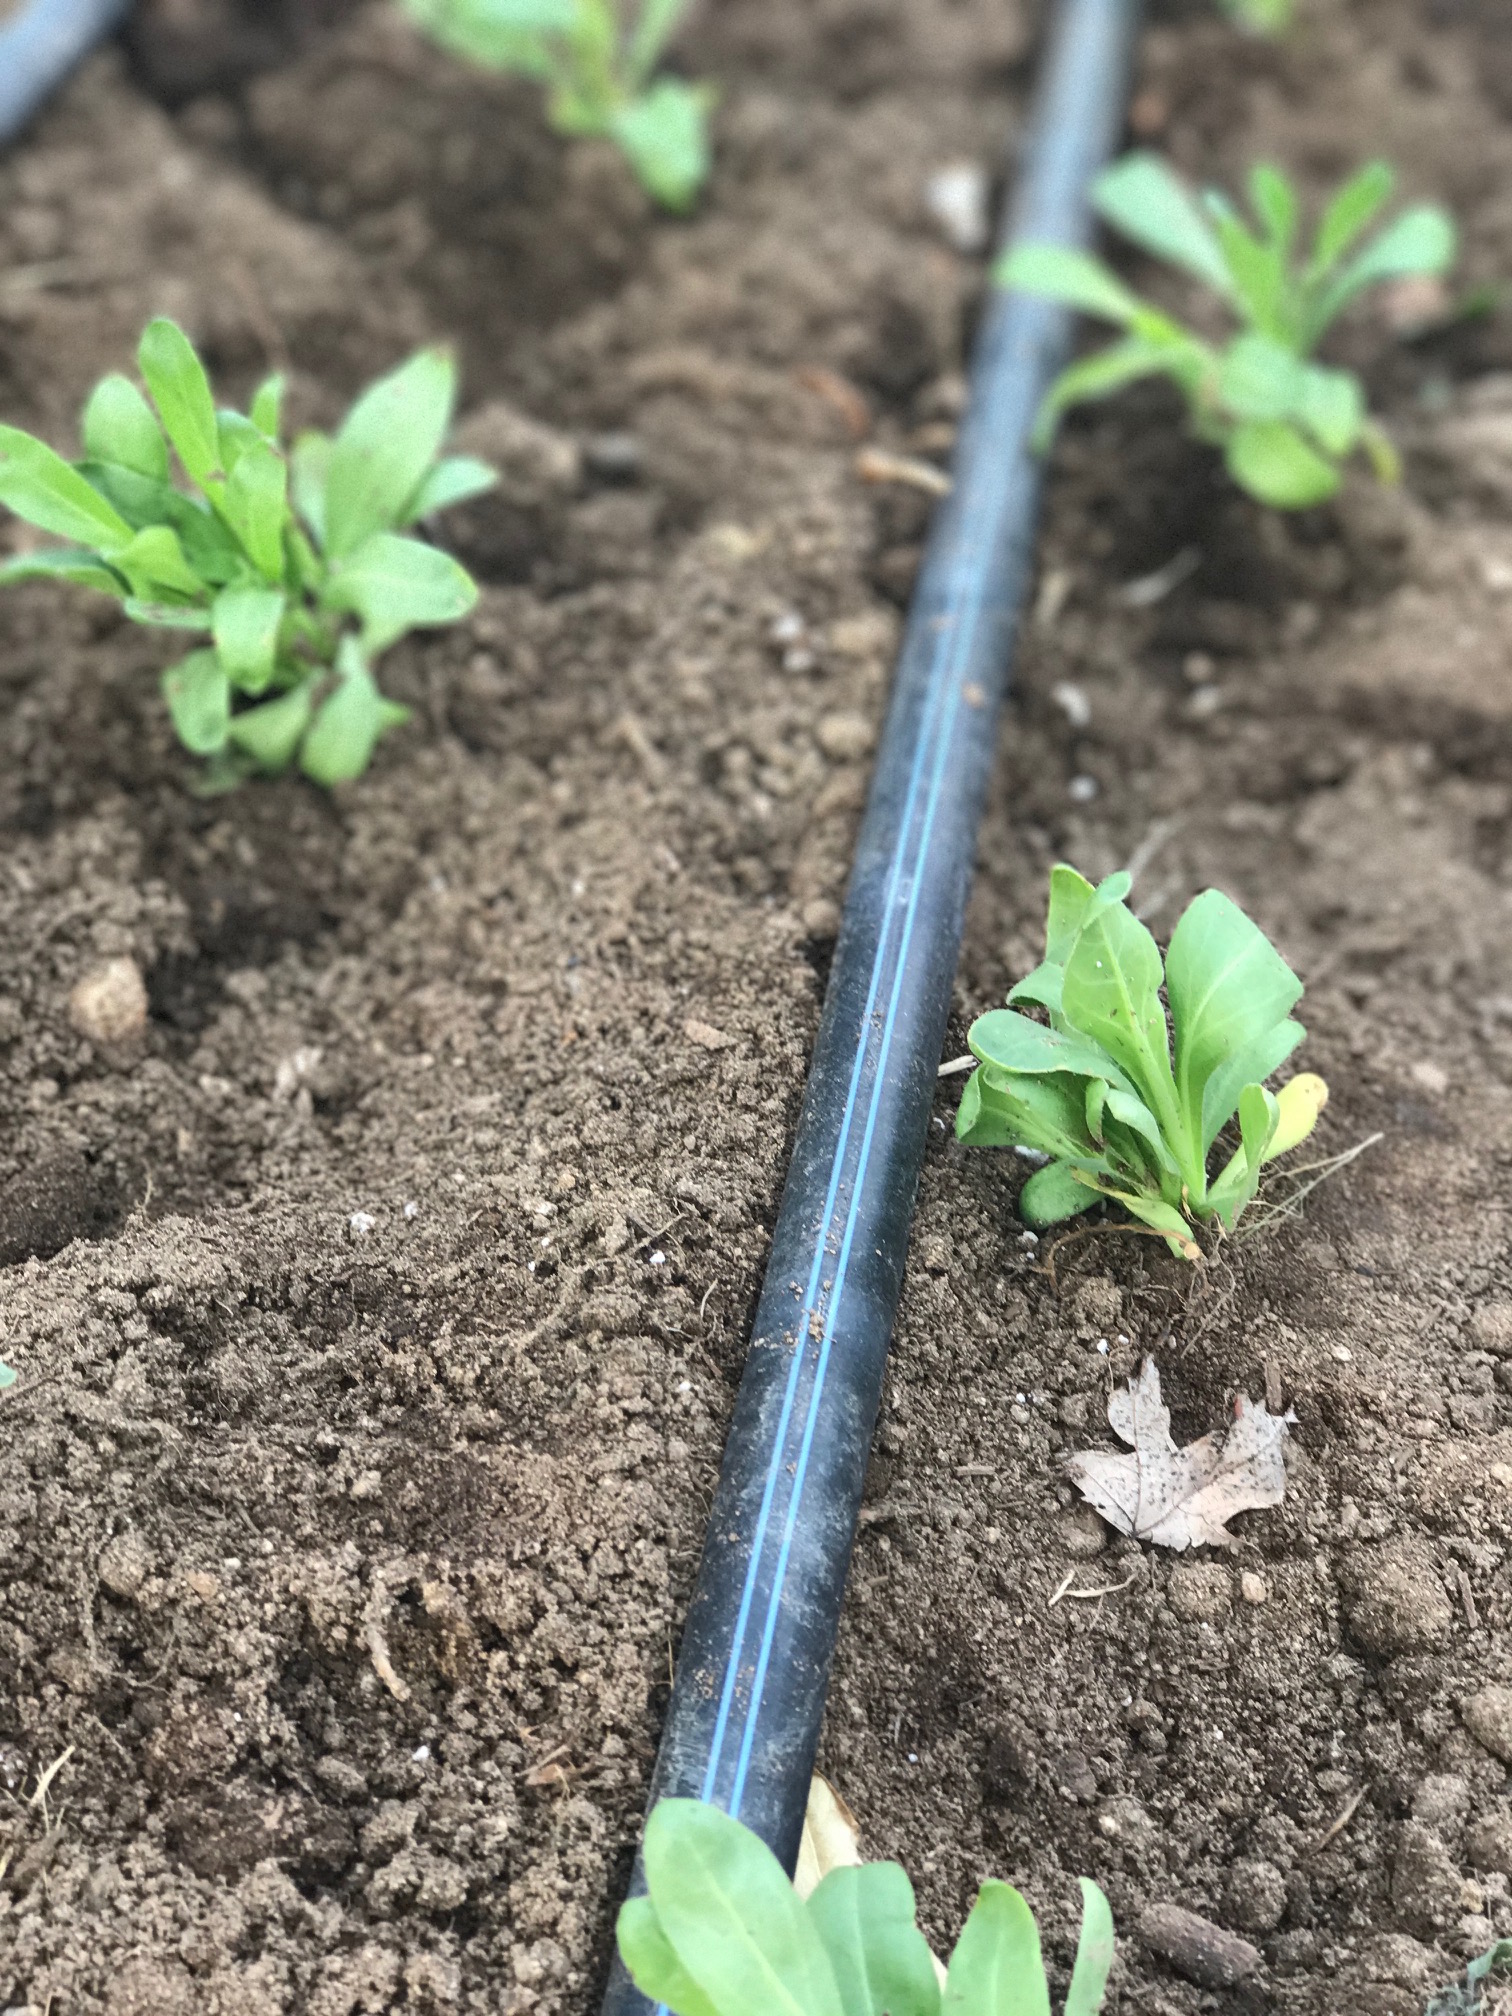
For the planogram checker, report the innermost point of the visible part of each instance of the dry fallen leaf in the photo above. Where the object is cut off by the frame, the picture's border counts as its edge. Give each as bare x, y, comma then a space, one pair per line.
831, 1838
1182, 1497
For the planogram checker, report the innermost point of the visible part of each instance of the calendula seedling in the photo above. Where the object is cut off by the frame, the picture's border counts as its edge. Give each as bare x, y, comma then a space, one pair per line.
1261, 17
293, 565
1285, 423
1100, 1087
599, 74
722, 1932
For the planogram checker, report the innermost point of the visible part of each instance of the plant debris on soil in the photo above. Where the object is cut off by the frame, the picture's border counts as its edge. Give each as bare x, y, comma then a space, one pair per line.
377, 1292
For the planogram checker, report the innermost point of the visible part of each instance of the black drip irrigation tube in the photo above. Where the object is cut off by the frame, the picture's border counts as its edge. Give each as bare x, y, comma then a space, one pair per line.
743, 1724
40, 46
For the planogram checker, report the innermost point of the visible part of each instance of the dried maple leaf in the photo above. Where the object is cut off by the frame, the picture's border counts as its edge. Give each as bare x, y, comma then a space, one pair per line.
1182, 1497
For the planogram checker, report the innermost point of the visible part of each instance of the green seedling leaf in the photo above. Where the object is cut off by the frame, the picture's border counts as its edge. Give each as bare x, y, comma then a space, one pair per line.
1249, 1065
1260, 379
1123, 363
1275, 204
181, 392
119, 427
199, 699
309, 466
665, 134
270, 735
1259, 1116
1351, 209
1144, 199
1076, 278
1070, 895
1298, 1105
732, 1917
1271, 460
1160, 1217
1054, 1194
74, 564
395, 584
40, 487
1423, 240
1257, 272
245, 623
255, 505
1230, 991
144, 501
489, 32
347, 725
996, 1969
881, 1960
384, 450
452, 481
1094, 1953
653, 1965
1331, 405
1111, 995
1010, 1042
236, 433
655, 25
267, 407
153, 562
7, 1376
165, 615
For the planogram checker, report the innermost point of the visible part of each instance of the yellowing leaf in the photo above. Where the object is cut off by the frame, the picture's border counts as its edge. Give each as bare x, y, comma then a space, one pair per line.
831, 1838
1182, 1497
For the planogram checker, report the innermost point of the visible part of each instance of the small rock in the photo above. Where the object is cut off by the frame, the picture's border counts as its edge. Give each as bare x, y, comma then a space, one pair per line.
1254, 1588
1071, 1774
1123, 1819
845, 738
957, 198
615, 457
1256, 1896
1201, 1951
1398, 1602
109, 1005
1489, 1842
125, 1563
1397, 1958
1488, 1717
1441, 1802
1425, 1885
1096, 1306
1081, 1533
341, 1778
705, 1035
1010, 1763
821, 917
1433, 1078
1200, 1590
1491, 1327
201, 1583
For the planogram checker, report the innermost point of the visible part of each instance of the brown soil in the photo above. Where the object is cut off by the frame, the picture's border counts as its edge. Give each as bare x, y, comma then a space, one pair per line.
377, 1310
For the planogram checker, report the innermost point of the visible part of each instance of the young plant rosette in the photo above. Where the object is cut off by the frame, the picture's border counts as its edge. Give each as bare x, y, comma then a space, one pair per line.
293, 565
1126, 1103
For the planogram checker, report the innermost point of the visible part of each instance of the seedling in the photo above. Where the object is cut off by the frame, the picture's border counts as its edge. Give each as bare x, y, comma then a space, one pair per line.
722, 1932
293, 565
7, 1376
1101, 1090
1286, 424
1261, 17
599, 74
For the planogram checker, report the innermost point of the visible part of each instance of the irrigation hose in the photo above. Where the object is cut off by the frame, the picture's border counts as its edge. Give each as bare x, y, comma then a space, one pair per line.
40, 46
743, 1722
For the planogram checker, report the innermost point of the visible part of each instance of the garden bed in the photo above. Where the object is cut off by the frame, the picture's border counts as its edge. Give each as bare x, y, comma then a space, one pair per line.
378, 1311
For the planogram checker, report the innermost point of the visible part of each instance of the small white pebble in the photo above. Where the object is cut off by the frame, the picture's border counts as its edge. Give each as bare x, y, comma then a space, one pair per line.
422, 1755
1028, 1239
1072, 702
1082, 790
546, 1241
530, 1266
1252, 1587
362, 1222
788, 627
1343, 1353
685, 1385
958, 197
412, 1209
1102, 1347
658, 1258
913, 1756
